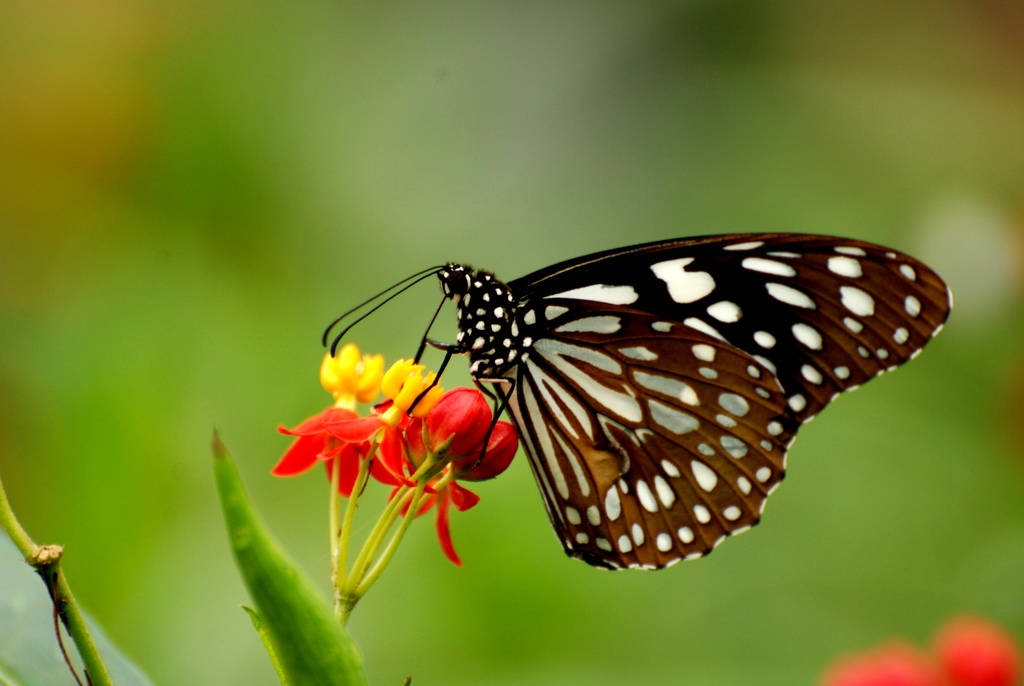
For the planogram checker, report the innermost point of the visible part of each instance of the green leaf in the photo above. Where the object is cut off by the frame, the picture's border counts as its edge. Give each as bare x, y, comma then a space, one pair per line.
29, 654
261, 630
310, 644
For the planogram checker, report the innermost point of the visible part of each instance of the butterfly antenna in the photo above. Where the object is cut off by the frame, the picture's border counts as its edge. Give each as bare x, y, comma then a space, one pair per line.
414, 278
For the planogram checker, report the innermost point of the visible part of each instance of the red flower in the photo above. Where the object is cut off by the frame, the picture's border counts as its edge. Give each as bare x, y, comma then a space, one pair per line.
975, 652
391, 466
317, 441
894, 664
460, 418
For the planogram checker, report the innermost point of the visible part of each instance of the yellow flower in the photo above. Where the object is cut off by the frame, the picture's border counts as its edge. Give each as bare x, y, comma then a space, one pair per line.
351, 377
403, 383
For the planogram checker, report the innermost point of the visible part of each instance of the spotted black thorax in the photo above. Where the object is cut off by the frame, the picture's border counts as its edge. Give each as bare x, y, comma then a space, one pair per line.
489, 330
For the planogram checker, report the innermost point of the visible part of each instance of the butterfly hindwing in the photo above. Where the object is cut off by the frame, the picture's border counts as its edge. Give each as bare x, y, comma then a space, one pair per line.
652, 441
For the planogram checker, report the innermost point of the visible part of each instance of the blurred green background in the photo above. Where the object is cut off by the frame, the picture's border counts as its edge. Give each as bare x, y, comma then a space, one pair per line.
189, 191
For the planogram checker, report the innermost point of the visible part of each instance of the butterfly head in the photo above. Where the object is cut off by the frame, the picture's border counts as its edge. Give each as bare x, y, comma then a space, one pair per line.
486, 310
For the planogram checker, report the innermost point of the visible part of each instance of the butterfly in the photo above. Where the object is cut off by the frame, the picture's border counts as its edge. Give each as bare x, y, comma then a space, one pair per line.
657, 388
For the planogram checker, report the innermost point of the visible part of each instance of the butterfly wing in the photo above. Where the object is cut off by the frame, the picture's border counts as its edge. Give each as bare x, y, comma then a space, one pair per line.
666, 381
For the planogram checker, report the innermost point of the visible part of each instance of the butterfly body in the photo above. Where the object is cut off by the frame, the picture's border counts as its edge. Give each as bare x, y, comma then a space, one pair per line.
657, 388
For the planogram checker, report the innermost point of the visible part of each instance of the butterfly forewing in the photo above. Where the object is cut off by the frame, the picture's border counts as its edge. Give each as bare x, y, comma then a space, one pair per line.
652, 441
824, 314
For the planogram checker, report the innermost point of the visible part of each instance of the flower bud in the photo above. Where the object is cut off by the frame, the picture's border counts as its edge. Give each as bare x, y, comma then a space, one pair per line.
463, 416
501, 448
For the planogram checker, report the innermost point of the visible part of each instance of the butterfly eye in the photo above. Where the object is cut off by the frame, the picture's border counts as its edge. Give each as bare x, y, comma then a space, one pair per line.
657, 388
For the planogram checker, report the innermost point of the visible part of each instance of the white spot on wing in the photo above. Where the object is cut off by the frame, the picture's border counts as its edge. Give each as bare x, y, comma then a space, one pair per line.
639, 352
552, 312
732, 513
702, 514
601, 293
643, 492
704, 352
789, 295
664, 542
764, 339
675, 421
734, 446
665, 493
638, 535
908, 271
850, 250
725, 311
750, 245
807, 335
734, 404
853, 325
599, 324
845, 266
667, 386
901, 335
669, 468
706, 477
759, 264
685, 534
683, 286
912, 305
612, 504
856, 300
811, 374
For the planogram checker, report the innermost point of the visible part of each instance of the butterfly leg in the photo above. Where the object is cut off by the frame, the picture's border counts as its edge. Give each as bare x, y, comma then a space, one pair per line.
437, 379
500, 403
425, 340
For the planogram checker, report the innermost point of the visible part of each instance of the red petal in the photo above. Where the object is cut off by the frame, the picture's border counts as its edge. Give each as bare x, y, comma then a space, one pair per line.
444, 535
347, 462
315, 424
300, 456
462, 498
392, 454
354, 430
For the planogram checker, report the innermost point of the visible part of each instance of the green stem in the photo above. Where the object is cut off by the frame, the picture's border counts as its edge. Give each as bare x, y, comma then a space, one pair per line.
46, 561
345, 535
378, 568
332, 522
373, 542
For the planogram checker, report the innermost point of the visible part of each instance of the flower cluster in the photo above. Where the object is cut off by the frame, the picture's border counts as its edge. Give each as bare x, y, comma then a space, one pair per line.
420, 437
968, 651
